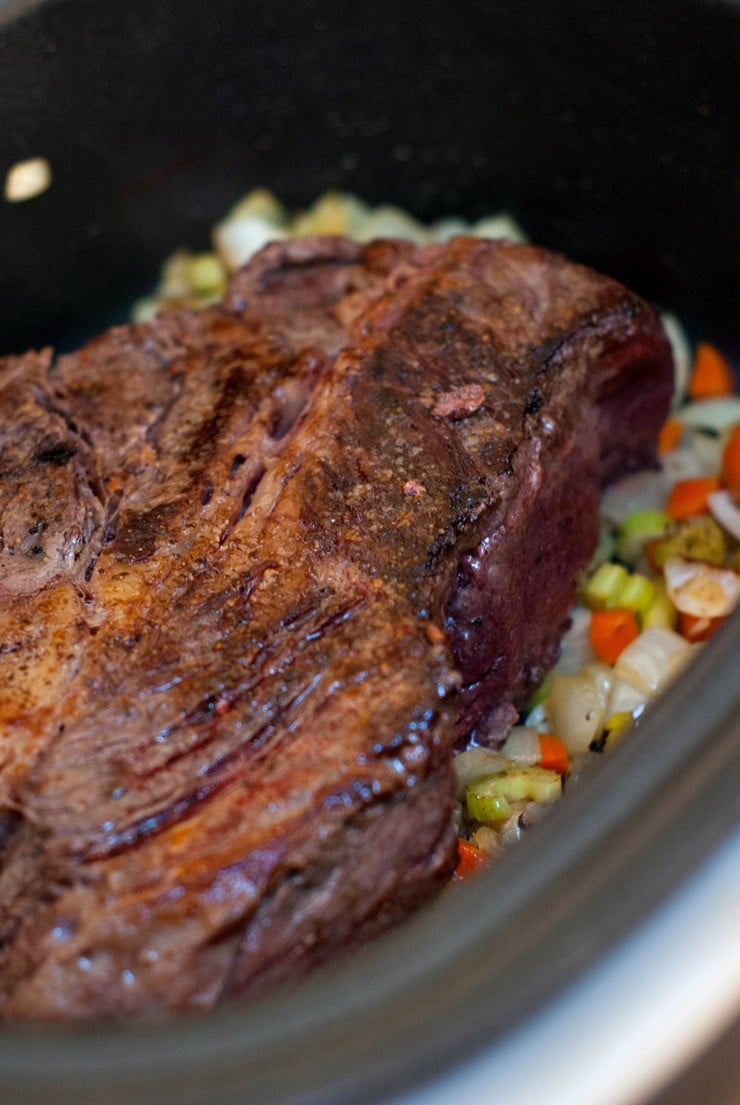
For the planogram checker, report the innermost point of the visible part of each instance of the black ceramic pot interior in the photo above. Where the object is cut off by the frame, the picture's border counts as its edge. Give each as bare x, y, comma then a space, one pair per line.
610, 131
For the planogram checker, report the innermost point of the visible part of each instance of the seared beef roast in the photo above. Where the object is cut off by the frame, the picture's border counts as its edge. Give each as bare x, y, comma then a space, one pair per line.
261, 567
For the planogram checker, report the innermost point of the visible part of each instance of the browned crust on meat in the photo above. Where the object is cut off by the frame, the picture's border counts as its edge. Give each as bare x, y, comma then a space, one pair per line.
219, 713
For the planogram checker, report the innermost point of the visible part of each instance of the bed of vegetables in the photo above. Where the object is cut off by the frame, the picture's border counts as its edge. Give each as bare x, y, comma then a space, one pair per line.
665, 575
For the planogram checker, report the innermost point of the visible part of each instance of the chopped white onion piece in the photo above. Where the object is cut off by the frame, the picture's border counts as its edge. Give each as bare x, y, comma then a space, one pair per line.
445, 229
473, 763
499, 226
701, 590
647, 490
27, 179
523, 745
391, 222
626, 698
652, 659
726, 512
575, 646
681, 356
707, 448
238, 239
681, 464
712, 414
577, 704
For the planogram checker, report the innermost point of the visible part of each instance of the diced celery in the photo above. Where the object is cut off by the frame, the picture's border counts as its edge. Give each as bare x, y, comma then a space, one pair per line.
661, 612
636, 530
485, 804
605, 586
206, 275
527, 784
605, 547
637, 594
541, 693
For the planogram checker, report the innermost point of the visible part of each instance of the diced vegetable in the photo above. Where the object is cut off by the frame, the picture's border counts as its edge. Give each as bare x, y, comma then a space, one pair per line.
637, 594
499, 226
681, 355
700, 589
611, 632
577, 704
712, 414
525, 745
661, 613
473, 763
670, 435
731, 461
616, 724
726, 511
697, 539
522, 746
575, 647
652, 660
711, 375
641, 491
206, 275
487, 839
605, 586
470, 860
486, 797
690, 497
541, 693
636, 530
697, 629
625, 698
553, 754
485, 804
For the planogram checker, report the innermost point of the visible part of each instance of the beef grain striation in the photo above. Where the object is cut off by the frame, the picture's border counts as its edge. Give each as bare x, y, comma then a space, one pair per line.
261, 568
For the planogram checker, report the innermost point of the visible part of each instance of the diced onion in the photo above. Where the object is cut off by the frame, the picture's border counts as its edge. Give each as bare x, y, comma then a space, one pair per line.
475, 762
700, 590
641, 491
681, 356
499, 226
577, 705
523, 745
237, 240
651, 661
575, 647
712, 414
726, 512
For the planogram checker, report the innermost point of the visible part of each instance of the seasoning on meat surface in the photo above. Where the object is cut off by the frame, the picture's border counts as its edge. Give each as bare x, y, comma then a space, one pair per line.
239, 645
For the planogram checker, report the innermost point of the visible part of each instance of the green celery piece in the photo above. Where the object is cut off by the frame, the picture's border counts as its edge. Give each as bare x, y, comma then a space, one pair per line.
541, 693
484, 806
637, 594
636, 530
604, 587
526, 784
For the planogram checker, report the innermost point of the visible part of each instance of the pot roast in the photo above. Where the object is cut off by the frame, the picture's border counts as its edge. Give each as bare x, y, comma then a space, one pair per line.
262, 568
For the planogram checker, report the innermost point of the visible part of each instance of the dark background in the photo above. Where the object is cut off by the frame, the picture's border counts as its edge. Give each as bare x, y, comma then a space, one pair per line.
608, 129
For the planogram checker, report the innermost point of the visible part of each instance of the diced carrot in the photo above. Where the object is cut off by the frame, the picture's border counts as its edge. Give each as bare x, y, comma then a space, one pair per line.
651, 553
689, 497
553, 754
670, 435
696, 629
470, 860
611, 631
711, 375
731, 461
